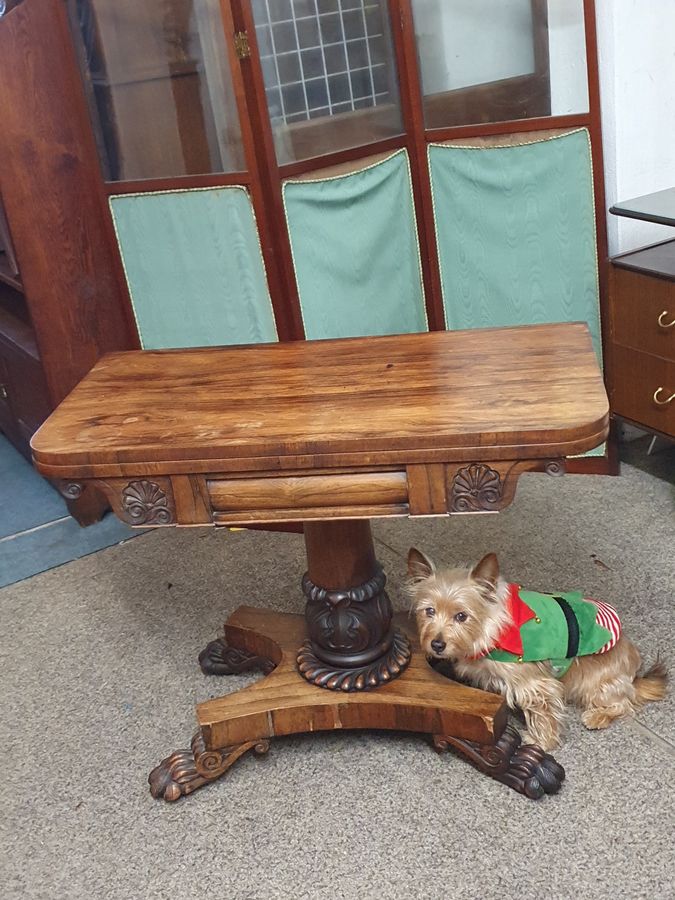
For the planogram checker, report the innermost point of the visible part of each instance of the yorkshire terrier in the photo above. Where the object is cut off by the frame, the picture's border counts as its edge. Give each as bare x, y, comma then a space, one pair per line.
540, 651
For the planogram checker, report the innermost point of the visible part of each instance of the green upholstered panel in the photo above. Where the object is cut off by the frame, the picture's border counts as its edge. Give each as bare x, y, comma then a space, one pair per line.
355, 251
516, 232
194, 267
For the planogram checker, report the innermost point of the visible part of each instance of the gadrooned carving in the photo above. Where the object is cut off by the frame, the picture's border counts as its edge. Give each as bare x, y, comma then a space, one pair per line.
476, 488
362, 678
145, 503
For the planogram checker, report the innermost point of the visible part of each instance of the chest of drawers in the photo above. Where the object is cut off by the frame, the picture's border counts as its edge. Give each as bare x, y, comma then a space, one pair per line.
642, 323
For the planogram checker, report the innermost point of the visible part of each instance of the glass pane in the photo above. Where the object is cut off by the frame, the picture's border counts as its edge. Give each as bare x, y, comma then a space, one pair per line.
498, 60
158, 82
658, 207
329, 72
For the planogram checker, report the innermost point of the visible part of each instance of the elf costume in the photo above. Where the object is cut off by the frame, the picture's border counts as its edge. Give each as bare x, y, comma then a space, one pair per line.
555, 628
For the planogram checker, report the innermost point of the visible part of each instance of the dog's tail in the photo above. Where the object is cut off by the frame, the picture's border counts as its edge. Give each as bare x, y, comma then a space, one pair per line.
652, 686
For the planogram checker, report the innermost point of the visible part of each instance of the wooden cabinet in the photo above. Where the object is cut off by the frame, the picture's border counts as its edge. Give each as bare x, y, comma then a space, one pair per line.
310, 168
24, 398
642, 311
62, 298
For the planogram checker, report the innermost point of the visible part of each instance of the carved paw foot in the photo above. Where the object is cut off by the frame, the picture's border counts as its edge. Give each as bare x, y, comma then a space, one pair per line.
524, 767
184, 771
219, 659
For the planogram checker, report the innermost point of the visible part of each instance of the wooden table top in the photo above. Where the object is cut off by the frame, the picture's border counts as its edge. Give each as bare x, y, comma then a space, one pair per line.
525, 392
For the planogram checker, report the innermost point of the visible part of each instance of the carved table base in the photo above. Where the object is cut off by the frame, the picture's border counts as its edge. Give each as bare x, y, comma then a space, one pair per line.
219, 659
283, 703
184, 771
524, 767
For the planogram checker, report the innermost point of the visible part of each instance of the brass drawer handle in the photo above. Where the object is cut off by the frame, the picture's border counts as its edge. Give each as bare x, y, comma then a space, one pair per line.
663, 323
662, 402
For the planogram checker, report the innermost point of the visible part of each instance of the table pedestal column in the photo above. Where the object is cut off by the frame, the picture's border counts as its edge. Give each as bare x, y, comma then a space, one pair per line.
352, 644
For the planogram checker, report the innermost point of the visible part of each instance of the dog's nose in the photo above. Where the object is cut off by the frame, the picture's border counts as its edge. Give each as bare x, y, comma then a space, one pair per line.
438, 646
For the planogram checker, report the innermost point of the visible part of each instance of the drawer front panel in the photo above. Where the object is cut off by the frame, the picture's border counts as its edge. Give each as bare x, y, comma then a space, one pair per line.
637, 377
643, 310
382, 493
23, 391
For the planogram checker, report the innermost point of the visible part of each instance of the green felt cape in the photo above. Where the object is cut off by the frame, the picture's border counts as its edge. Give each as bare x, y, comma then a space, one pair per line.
549, 627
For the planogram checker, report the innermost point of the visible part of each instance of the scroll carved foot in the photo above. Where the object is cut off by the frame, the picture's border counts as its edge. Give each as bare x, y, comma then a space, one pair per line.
184, 771
524, 767
219, 659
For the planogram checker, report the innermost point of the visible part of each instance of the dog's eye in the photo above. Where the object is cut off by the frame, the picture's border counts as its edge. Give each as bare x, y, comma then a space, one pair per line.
461, 617
430, 611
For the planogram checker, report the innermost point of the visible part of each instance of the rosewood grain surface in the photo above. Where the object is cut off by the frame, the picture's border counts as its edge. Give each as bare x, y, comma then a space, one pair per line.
511, 393
282, 703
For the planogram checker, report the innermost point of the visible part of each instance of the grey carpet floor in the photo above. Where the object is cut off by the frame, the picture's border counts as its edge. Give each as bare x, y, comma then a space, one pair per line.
99, 678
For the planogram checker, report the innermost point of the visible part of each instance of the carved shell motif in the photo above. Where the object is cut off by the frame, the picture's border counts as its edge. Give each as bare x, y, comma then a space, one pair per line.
476, 488
145, 503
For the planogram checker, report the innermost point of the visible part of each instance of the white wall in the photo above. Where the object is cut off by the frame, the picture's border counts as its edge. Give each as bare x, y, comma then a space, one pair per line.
636, 43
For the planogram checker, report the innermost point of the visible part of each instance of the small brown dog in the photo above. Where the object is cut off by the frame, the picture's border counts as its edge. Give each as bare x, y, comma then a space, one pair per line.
465, 614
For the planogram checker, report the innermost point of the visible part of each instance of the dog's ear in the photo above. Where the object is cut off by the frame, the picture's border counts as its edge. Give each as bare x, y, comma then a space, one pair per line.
419, 565
487, 570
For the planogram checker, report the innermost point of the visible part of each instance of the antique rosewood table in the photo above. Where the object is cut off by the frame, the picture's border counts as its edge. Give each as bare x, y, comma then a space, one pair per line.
332, 434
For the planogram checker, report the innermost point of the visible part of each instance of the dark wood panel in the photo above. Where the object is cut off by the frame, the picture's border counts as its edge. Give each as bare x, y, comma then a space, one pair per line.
261, 159
318, 164
657, 260
403, 34
179, 183
643, 312
24, 398
9, 268
51, 188
637, 378
524, 126
25, 388
524, 97
360, 128
595, 132
16, 331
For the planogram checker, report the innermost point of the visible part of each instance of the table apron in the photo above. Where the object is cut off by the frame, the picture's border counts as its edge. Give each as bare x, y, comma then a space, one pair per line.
418, 489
